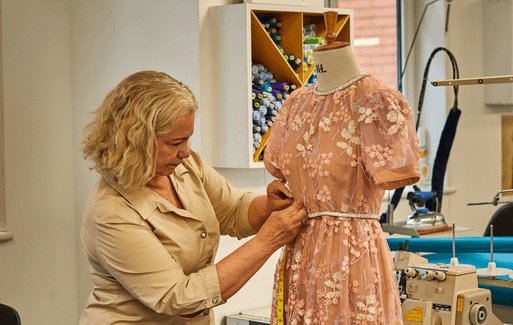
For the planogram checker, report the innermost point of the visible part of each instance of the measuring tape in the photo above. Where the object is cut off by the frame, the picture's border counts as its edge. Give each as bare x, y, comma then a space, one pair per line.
280, 305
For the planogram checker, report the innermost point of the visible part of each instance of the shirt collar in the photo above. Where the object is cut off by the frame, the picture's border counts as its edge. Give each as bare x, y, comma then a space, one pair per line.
145, 200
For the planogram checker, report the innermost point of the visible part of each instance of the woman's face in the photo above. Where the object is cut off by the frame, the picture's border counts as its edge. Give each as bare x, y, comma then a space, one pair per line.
173, 147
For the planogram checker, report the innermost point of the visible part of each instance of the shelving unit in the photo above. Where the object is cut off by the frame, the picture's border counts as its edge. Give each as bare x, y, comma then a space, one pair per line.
239, 40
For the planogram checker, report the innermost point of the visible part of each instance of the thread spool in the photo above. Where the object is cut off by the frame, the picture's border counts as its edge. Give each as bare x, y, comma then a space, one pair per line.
258, 93
277, 94
257, 137
266, 88
281, 86
262, 110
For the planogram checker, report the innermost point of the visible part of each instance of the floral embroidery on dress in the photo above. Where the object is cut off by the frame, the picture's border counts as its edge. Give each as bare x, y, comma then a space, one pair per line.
334, 150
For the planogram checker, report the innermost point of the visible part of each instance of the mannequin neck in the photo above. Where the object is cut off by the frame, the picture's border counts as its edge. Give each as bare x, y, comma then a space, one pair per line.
335, 67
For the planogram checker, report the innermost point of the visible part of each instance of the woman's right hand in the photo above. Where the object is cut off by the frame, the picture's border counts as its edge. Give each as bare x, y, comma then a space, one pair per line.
283, 226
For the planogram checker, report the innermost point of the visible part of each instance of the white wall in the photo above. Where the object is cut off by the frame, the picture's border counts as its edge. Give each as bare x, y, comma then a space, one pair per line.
38, 267
475, 163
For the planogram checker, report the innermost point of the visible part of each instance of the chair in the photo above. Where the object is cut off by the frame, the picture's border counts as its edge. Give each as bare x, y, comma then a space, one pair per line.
502, 221
9, 316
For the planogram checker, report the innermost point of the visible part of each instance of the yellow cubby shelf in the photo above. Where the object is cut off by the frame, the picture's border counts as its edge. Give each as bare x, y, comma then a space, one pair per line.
240, 40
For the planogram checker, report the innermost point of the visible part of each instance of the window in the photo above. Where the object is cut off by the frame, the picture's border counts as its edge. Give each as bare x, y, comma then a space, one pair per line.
375, 37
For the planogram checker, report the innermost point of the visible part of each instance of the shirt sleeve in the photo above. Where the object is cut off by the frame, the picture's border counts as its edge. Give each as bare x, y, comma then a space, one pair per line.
389, 143
128, 250
230, 205
272, 156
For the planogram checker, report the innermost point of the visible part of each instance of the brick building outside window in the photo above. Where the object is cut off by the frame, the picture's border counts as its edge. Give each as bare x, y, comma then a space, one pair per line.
375, 37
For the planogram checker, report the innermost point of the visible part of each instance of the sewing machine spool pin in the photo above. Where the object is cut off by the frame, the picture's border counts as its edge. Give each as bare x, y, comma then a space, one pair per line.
492, 270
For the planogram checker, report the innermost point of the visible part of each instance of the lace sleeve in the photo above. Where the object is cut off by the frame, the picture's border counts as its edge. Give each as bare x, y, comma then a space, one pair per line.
390, 147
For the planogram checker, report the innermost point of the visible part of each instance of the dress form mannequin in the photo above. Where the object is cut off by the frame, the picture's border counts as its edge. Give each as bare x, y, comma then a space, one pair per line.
335, 61
335, 67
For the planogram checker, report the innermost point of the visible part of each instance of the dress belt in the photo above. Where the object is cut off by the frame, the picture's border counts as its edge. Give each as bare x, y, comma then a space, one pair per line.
341, 215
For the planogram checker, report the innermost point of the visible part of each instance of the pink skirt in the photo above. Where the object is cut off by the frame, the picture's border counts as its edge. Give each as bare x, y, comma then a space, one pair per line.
338, 271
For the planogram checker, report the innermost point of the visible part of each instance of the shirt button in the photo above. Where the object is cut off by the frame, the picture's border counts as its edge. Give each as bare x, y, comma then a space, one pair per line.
214, 301
209, 260
203, 235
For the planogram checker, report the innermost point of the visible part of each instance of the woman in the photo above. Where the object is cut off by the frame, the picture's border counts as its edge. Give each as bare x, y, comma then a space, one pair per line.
152, 223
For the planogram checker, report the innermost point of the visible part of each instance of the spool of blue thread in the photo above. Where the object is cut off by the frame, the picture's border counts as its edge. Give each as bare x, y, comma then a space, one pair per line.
257, 128
292, 86
256, 104
256, 116
254, 69
265, 128
261, 120
255, 146
265, 102
269, 76
257, 137
269, 123
276, 38
263, 110
266, 88
281, 49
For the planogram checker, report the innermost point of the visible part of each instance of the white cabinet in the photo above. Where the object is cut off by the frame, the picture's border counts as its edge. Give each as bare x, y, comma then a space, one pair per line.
238, 41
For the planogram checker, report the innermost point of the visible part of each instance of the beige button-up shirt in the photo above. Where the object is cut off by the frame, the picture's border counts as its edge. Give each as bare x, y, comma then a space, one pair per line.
152, 262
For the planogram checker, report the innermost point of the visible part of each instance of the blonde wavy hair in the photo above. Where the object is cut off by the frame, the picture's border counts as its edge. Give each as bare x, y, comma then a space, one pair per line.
121, 138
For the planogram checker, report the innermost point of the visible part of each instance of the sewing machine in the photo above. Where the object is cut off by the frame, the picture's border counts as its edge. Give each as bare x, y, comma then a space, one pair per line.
441, 294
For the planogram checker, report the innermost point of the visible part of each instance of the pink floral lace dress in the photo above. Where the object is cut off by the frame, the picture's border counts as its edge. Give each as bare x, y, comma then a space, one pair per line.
339, 151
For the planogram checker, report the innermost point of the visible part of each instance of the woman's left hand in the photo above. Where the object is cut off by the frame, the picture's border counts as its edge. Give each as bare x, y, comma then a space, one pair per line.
278, 196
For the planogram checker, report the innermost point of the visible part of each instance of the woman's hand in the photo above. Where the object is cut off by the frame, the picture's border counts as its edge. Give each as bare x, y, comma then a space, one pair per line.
278, 196
280, 228
283, 226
